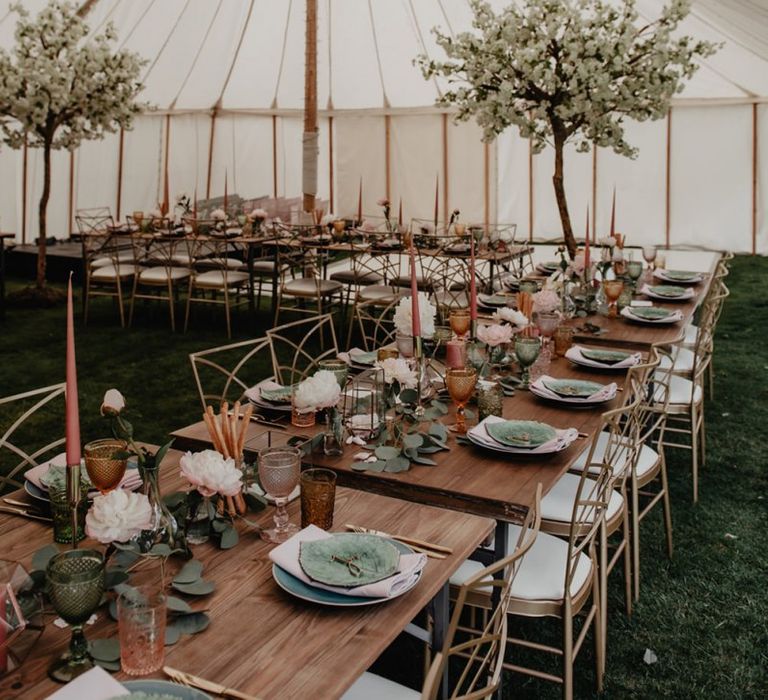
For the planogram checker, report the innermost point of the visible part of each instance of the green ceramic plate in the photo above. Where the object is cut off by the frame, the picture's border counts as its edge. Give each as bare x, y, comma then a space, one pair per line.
650, 313
608, 357
668, 290
550, 265
521, 433
349, 559
151, 688
495, 299
57, 474
279, 395
680, 275
575, 388
363, 358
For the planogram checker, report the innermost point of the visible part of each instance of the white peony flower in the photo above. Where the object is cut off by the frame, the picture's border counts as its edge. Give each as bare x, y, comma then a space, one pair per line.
118, 516
210, 473
259, 214
321, 390
427, 313
607, 241
396, 369
112, 403
513, 316
328, 219
494, 335
219, 215
156, 213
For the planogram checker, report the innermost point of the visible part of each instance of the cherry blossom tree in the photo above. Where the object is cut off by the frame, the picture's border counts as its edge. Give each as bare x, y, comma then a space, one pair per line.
59, 86
566, 71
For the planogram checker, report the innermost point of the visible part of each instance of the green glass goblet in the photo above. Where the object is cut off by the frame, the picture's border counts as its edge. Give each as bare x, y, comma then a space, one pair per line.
526, 351
634, 270
75, 583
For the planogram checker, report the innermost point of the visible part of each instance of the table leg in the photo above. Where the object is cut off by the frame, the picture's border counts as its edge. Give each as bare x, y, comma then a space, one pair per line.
499, 552
441, 616
275, 275
2, 278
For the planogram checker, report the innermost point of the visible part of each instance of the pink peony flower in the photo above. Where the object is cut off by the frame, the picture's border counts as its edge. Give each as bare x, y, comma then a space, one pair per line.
494, 335
210, 473
112, 403
383, 202
546, 300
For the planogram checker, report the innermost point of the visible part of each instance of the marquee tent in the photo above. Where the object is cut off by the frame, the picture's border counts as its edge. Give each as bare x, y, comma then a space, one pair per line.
225, 78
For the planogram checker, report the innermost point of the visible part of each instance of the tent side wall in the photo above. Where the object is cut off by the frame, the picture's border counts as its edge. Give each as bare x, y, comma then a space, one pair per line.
699, 179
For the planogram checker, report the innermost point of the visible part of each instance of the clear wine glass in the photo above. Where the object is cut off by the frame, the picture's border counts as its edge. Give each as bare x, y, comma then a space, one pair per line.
279, 470
547, 322
460, 383
649, 255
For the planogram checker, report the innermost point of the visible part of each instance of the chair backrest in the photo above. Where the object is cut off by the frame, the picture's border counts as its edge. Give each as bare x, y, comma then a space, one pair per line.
19, 441
297, 348
157, 249
369, 262
484, 649
376, 323
93, 221
225, 373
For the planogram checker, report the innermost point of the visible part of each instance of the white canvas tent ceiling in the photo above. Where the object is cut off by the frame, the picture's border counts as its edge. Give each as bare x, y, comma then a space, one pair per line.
243, 60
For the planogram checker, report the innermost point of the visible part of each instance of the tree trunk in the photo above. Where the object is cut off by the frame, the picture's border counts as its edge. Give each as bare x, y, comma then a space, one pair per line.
562, 204
41, 248
310, 140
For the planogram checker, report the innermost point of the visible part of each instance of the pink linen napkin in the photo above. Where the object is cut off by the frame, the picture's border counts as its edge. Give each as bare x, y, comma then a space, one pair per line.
95, 684
286, 556
131, 479
574, 354
606, 393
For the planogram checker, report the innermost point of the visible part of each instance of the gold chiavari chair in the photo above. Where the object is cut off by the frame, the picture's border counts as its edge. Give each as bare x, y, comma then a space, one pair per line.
482, 649
560, 578
294, 347
375, 320
19, 440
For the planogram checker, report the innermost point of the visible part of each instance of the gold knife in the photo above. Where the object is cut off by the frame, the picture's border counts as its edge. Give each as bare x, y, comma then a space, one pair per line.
25, 513
209, 686
406, 540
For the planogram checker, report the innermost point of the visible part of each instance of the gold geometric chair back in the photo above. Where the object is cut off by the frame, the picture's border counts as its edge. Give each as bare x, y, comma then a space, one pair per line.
225, 373
296, 348
19, 440
453, 288
482, 650
376, 323
93, 221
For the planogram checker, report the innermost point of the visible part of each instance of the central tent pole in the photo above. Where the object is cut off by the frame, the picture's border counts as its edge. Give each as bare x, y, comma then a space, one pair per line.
310, 137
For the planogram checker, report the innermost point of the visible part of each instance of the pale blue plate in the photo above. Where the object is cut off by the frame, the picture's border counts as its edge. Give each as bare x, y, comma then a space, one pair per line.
158, 687
297, 588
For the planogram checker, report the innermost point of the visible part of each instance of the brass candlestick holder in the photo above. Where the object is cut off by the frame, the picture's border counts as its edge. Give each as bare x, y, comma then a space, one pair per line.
74, 495
418, 356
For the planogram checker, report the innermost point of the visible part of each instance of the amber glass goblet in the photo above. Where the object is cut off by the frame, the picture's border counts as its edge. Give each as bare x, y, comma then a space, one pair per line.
461, 385
105, 462
460, 322
613, 290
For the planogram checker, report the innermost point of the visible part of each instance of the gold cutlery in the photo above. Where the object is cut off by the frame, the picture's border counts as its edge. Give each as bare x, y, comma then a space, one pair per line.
25, 513
13, 502
209, 686
436, 550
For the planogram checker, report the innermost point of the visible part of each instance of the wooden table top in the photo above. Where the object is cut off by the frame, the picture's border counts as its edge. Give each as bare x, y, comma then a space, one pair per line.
622, 332
261, 640
467, 478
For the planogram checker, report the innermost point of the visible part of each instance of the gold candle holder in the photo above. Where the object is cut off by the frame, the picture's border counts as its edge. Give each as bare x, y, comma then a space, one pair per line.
74, 496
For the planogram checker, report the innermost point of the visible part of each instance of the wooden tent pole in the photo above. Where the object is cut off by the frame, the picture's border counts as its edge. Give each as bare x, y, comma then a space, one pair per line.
24, 193
446, 214
274, 156
486, 185
331, 202
71, 203
669, 178
121, 146
754, 178
530, 190
594, 188
310, 139
387, 156
214, 113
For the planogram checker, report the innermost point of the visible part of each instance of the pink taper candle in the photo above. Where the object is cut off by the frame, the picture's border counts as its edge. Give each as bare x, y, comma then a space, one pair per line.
472, 287
613, 213
415, 316
586, 246
73, 415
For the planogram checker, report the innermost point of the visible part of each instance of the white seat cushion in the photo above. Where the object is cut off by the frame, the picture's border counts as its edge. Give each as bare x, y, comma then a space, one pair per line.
107, 273
230, 263
214, 279
541, 575
557, 505
372, 687
103, 262
310, 287
376, 292
681, 390
691, 333
682, 360
160, 275
647, 459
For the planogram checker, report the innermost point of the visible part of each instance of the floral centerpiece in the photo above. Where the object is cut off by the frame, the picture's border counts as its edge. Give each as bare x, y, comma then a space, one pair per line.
183, 204
321, 391
495, 337
398, 375
515, 318
546, 301
164, 527
403, 317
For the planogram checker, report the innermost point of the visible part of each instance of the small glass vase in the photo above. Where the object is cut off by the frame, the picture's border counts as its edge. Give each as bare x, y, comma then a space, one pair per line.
333, 434
164, 528
199, 525
490, 398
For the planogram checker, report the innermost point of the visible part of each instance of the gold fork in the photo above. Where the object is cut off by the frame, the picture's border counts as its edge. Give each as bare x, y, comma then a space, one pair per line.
435, 551
196, 682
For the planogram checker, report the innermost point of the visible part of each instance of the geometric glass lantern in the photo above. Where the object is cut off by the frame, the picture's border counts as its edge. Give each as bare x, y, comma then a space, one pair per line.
21, 615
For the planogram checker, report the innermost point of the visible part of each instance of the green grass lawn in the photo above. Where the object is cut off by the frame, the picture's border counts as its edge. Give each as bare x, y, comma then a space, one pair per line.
704, 614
